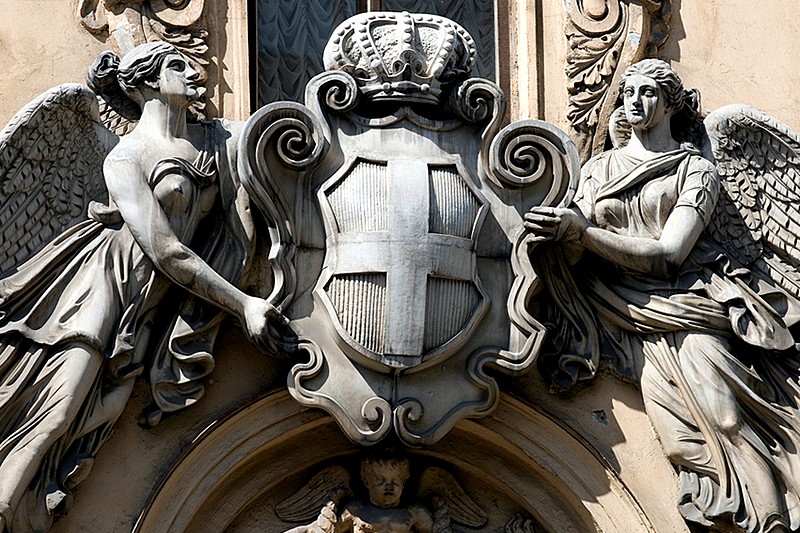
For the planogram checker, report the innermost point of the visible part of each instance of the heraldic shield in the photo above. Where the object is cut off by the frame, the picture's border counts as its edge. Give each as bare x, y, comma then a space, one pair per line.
395, 204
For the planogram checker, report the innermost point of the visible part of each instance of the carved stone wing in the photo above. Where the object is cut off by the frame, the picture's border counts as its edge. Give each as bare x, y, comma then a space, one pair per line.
438, 483
757, 218
330, 485
51, 167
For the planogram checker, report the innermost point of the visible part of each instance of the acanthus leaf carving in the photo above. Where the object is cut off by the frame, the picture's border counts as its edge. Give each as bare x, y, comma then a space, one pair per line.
604, 37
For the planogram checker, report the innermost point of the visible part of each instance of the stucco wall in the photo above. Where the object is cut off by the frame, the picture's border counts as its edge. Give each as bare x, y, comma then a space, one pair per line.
737, 51
43, 44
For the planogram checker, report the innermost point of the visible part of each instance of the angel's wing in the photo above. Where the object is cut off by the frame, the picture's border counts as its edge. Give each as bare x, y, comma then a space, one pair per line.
437, 482
331, 484
51, 167
757, 218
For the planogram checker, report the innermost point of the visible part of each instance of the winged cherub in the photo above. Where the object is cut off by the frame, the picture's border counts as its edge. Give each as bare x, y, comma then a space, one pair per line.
329, 496
677, 266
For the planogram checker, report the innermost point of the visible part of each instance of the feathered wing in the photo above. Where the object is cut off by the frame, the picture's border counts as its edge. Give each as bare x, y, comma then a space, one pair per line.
438, 483
757, 218
51, 167
330, 485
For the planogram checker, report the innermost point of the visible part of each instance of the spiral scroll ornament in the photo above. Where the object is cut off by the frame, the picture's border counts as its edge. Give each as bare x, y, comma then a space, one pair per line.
332, 91
531, 150
477, 100
278, 138
375, 421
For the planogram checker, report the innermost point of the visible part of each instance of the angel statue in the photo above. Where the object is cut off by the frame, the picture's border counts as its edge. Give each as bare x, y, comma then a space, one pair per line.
77, 317
677, 267
328, 497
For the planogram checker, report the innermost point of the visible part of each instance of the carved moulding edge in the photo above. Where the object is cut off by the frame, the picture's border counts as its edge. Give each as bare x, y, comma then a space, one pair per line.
235, 460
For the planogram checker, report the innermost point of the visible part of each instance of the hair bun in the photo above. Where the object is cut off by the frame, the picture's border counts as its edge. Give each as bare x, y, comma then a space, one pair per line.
102, 75
691, 101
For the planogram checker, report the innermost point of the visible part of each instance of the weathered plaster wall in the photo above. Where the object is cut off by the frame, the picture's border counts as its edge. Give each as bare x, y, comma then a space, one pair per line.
43, 44
738, 51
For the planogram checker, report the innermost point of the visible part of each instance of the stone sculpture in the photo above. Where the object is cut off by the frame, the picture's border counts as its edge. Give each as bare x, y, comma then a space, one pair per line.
397, 252
329, 498
130, 23
682, 274
604, 36
78, 317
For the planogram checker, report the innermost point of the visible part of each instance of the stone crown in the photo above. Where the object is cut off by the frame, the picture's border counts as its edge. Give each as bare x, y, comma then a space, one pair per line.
401, 56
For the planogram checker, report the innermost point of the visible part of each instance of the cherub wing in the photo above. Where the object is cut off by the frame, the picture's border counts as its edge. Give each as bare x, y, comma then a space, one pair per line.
757, 218
51, 167
331, 484
438, 483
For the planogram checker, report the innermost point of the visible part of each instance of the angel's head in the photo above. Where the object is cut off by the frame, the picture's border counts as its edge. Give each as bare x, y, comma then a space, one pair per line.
384, 476
156, 68
651, 92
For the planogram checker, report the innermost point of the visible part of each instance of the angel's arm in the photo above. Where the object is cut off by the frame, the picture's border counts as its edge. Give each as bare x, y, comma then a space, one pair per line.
660, 256
653, 256
151, 229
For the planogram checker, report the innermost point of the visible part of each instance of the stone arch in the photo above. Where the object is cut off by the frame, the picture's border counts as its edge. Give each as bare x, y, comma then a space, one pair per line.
517, 460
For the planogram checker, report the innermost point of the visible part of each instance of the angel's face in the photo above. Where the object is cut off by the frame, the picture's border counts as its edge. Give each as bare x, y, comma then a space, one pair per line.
178, 78
644, 102
385, 485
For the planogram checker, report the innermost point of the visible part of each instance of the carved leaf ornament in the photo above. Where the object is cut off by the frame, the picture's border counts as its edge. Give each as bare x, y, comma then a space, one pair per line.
604, 37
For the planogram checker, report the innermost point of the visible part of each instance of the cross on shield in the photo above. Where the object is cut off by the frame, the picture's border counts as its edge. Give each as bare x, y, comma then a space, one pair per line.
400, 280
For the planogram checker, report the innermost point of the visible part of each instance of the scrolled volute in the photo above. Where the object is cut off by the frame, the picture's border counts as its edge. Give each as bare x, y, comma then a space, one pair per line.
477, 100
333, 90
286, 130
526, 151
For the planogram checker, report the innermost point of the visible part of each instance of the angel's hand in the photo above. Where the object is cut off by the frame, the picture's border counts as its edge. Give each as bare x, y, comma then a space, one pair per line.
555, 223
327, 519
256, 316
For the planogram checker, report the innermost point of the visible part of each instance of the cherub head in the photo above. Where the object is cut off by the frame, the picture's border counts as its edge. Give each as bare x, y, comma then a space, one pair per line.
385, 475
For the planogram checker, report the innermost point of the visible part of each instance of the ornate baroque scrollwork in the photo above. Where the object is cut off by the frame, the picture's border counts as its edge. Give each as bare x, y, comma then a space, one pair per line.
279, 137
531, 154
405, 223
602, 36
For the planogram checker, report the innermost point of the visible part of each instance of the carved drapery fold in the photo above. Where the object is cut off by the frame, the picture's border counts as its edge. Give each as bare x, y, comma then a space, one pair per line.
290, 43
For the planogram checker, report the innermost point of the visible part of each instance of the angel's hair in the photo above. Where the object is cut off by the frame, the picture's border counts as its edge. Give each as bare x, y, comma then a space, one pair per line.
141, 66
394, 461
686, 123
667, 79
